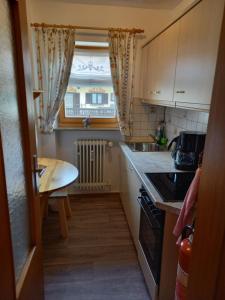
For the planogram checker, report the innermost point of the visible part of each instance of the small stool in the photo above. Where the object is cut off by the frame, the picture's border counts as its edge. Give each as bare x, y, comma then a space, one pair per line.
64, 210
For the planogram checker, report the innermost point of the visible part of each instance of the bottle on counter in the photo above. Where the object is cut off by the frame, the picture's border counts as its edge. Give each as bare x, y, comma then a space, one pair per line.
160, 136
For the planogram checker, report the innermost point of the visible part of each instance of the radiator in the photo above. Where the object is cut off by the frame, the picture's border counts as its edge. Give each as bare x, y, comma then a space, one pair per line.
91, 161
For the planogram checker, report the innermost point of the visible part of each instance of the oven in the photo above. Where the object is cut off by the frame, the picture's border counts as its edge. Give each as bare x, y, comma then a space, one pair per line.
151, 233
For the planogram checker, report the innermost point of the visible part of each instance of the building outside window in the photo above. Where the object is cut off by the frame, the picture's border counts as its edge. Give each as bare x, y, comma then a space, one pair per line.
90, 89
97, 98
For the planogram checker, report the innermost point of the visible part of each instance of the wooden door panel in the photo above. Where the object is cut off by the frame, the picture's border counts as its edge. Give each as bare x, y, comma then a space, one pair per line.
18, 146
208, 256
13, 147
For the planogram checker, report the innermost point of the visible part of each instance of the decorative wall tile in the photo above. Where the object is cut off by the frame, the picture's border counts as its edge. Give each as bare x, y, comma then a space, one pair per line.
180, 119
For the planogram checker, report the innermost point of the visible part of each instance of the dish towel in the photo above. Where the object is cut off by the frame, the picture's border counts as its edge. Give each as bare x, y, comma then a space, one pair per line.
187, 211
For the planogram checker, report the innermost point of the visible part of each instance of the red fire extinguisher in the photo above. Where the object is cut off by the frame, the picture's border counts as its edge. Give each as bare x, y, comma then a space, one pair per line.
183, 263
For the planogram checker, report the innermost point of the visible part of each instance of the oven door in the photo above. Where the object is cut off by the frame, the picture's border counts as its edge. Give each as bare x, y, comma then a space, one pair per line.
151, 235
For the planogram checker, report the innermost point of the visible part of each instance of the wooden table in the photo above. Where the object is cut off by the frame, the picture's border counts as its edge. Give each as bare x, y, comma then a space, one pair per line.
57, 176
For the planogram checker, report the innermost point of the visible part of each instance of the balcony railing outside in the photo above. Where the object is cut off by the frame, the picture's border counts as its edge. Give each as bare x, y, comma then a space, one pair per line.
92, 112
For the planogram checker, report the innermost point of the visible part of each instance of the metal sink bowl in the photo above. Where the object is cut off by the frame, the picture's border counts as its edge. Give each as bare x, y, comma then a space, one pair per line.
144, 147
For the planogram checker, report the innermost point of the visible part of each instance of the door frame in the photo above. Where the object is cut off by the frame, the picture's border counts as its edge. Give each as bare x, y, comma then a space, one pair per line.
31, 278
30, 284
207, 271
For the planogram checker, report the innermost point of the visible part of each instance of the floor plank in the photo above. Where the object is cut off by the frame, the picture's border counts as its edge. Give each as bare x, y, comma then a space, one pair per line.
98, 261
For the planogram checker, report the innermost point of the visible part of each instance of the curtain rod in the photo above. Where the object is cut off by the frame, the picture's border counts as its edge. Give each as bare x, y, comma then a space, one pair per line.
43, 25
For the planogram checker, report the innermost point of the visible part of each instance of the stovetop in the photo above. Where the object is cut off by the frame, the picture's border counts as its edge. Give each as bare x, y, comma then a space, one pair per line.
172, 187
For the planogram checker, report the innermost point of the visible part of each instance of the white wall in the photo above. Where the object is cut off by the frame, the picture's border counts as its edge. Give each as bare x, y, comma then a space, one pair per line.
66, 150
182, 7
152, 21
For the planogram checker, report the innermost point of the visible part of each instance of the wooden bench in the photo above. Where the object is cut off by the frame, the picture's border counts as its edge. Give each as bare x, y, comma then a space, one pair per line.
62, 206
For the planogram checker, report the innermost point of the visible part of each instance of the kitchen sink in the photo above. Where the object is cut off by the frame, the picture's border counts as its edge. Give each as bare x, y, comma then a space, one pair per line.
144, 147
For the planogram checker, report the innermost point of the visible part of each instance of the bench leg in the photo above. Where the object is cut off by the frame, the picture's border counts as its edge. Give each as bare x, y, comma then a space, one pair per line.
62, 218
68, 207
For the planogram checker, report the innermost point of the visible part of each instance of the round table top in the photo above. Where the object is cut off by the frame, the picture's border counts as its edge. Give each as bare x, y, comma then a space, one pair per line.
57, 175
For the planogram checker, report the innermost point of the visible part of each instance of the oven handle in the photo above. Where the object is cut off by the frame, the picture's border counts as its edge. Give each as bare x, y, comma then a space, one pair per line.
152, 226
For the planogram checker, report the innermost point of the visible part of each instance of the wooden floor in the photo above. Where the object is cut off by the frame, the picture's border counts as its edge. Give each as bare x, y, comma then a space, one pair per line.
98, 262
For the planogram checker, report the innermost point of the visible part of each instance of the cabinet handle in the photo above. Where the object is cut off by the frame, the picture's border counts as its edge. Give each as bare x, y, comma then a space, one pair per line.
180, 92
155, 92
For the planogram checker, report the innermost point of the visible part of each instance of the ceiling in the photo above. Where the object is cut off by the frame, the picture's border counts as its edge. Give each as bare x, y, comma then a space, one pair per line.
154, 4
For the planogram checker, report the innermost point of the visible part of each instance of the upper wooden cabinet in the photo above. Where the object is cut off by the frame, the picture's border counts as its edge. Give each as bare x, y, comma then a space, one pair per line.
181, 61
197, 53
162, 54
144, 72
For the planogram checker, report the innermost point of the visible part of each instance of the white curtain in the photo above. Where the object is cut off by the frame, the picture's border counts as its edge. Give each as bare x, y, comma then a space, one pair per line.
122, 48
54, 50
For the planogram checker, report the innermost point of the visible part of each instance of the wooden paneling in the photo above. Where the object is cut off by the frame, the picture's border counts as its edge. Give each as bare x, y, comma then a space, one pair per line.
207, 266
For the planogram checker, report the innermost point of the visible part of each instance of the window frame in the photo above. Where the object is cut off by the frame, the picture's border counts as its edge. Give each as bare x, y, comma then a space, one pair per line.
76, 122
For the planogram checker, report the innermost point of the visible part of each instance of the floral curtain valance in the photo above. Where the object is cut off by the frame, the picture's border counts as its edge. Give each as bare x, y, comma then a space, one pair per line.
54, 50
122, 48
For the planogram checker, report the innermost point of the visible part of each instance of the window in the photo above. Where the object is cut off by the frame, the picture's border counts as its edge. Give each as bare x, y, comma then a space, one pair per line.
90, 90
71, 103
97, 98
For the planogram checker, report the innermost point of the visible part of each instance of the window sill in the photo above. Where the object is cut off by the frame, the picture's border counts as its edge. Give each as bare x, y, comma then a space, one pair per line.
86, 129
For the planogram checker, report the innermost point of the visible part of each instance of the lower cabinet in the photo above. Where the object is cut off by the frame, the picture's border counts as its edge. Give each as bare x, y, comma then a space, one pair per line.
130, 186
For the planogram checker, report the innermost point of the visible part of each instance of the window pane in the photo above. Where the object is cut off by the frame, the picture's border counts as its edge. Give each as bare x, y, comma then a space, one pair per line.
94, 96
90, 78
69, 100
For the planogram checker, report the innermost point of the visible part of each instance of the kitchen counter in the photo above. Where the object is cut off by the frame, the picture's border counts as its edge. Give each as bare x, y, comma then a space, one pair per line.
145, 162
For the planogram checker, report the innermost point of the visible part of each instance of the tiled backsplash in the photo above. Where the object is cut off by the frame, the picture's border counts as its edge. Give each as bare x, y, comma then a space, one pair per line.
147, 117
181, 119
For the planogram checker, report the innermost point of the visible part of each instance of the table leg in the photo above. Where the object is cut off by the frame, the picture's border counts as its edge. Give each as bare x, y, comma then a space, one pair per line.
62, 218
68, 207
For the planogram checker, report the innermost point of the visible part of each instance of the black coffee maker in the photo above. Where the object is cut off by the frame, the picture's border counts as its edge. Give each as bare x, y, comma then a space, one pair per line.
189, 146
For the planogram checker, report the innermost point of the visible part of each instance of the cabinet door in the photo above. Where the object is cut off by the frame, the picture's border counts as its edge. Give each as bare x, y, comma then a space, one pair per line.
134, 187
197, 52
164, 64
130, 186
152, 65
161, 65
124, 183
144, 73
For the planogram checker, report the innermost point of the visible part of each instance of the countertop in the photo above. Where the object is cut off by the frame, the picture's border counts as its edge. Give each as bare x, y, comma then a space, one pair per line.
145, 162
